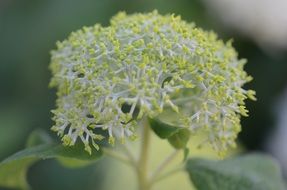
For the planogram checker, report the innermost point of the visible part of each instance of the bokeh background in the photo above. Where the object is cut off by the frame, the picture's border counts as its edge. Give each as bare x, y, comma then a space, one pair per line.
30, 28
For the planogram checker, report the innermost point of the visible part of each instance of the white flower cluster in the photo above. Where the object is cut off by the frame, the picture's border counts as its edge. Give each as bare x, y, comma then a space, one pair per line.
141, 65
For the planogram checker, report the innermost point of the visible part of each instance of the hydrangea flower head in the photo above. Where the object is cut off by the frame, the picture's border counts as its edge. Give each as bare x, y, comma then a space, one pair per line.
140, 66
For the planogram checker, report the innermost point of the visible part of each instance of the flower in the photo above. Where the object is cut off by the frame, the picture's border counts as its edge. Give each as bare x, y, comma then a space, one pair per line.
140, 66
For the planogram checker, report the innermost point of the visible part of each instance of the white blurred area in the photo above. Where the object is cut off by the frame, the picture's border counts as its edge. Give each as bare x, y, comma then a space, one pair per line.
278, 141
265, 21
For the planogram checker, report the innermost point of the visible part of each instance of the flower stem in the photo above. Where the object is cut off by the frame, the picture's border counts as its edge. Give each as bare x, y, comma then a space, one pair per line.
117, 156
129, 154
142, 172
145, 181
167, 174
164, 163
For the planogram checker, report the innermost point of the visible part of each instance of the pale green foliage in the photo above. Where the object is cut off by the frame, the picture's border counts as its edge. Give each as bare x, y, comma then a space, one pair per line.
151, 63
252, 171
13, 170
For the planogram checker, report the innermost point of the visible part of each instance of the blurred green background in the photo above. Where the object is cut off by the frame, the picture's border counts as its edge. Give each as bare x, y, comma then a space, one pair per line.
28, 32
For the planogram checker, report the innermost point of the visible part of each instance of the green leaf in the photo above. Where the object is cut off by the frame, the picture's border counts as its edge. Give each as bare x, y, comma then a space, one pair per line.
179, 139
13, 169
161, 129
176, 136
38, 137
250, 172
185, 154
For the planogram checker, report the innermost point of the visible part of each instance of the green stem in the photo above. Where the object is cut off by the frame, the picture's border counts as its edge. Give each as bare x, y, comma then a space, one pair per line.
142, 172
167, 174
164, 163
129, 154
141, 165
117, 156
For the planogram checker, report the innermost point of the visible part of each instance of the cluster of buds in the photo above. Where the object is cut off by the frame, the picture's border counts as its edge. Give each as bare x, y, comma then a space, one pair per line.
143, 65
